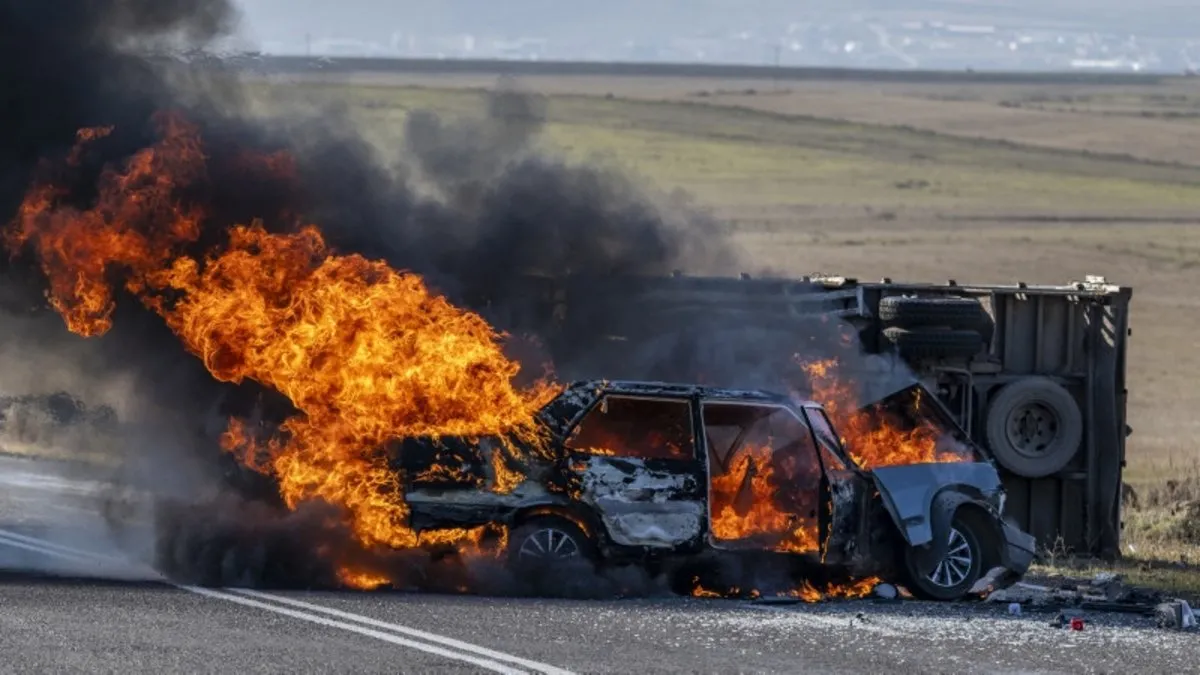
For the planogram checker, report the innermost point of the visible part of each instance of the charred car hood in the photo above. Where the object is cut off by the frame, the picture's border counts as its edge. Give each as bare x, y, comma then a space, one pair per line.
908, 492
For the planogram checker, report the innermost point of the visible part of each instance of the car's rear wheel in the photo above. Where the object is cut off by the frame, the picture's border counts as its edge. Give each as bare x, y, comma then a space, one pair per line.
548, 543
968, 552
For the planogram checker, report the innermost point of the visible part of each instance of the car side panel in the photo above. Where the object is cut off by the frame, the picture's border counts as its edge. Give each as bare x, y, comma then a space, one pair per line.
643, 502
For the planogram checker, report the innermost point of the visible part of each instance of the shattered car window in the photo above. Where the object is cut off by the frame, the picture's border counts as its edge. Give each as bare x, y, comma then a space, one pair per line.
767, 488
645, 428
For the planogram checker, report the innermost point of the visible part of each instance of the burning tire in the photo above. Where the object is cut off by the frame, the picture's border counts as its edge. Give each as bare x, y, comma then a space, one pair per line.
967, 558
1034, 427
547, 544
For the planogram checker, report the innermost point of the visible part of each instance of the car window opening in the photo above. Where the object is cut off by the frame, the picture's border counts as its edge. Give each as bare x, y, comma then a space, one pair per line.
640, 428
765, 484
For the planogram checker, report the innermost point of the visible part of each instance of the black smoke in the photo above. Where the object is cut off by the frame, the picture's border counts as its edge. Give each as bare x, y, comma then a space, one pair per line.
471, 204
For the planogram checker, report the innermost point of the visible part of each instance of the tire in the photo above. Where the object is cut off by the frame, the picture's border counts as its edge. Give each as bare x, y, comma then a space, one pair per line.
898, 311
953, 576
907, 312
933, 343
1034, 427
548, 532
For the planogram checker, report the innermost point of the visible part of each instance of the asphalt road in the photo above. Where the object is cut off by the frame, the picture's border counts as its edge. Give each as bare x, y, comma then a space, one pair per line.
62, 611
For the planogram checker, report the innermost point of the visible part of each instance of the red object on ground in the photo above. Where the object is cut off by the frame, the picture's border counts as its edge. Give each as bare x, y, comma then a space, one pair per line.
1076, 623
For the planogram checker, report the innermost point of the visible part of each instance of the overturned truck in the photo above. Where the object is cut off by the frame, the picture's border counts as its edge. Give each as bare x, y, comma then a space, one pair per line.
1034, 374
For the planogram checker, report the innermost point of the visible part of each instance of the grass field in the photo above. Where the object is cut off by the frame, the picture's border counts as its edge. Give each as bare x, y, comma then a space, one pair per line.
919, 181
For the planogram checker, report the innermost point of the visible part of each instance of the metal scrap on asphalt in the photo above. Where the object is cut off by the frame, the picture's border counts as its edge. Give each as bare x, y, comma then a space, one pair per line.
1106, 592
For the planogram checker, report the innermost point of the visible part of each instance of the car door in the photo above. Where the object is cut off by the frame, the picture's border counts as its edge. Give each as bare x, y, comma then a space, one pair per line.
637, 460
764, 478
844, 522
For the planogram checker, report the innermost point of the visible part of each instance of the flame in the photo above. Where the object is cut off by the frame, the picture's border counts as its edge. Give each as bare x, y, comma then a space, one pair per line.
699, 591
870, 441
447, 473
365, 353
854, 589
134, 225
361, 580
806, 591
745, 504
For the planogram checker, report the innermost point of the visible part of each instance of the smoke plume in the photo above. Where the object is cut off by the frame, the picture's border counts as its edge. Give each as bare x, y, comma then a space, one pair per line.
472, 205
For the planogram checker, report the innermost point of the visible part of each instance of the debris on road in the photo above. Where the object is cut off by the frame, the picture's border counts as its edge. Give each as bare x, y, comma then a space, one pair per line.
1106, 592
1175, 614
886, 592
997, 577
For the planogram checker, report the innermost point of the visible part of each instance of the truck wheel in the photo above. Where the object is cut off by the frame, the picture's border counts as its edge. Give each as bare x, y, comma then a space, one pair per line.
548, 543
959, 569
1034, 427
907, 312
935, 344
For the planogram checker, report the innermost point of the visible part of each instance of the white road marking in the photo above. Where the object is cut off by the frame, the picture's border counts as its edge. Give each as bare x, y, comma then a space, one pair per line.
362, 630
15, 543
452, 649
405, 630
25, 541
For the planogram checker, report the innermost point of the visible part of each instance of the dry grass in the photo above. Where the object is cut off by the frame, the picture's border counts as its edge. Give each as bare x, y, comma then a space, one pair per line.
1155, 122
1161, 539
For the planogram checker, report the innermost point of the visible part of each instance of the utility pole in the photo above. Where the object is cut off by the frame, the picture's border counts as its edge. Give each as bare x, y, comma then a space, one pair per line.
308, 45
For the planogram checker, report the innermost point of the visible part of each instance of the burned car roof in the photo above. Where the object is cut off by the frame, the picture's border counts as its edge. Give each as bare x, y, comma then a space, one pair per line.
579, 395
595, 388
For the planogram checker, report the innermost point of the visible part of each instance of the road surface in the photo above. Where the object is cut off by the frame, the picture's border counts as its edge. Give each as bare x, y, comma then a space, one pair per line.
70, 603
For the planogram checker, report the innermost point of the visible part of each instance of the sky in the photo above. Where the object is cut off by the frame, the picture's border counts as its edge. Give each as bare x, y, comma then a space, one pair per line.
627, 29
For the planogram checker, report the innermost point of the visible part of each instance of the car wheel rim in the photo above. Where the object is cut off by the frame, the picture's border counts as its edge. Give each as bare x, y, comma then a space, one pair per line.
954, 567
548, 544
1032, 429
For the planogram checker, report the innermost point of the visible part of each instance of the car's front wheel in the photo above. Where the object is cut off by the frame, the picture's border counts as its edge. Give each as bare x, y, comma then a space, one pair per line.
968, 550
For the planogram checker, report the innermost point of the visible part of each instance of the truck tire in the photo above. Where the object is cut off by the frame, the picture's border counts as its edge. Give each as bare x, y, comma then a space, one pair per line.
1034, 427
908, 312
933, 343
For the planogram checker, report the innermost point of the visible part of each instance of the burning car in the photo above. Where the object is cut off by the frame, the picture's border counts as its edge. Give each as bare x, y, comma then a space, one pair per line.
364, 353
669, 474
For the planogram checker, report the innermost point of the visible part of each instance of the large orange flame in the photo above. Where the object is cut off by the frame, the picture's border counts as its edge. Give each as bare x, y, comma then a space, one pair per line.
364, 352
746, 504
872, 440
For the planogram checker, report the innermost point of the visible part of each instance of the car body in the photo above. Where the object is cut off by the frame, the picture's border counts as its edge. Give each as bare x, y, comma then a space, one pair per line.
660, 473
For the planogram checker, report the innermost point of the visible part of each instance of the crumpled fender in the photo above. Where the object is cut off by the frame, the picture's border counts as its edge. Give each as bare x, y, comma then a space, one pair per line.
941, 512
909, 492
